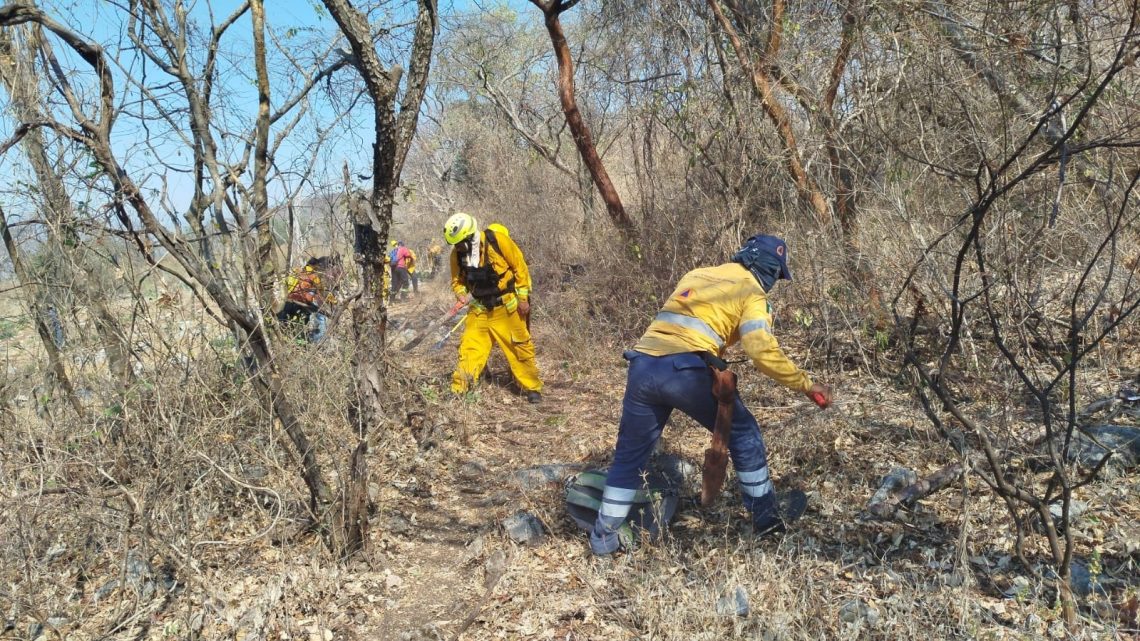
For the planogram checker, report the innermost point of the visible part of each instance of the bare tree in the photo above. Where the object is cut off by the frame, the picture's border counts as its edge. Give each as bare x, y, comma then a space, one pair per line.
1039, 326
393, 137
213, 258
17, 56
759, 54
551, 11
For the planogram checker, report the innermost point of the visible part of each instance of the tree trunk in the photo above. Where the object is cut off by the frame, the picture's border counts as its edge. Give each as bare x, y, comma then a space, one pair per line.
393, 136
583, 139
55, 362
763, 87
270, 379
267, 273
17, 61
356, 502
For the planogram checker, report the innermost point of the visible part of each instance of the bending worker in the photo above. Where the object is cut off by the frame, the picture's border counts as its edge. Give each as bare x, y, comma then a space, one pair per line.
488, 271
711, 309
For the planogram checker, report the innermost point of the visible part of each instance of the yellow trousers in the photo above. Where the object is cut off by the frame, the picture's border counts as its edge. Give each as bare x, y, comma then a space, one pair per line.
484, 329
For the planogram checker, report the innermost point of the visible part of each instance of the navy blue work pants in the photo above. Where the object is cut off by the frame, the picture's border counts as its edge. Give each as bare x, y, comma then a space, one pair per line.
655, 386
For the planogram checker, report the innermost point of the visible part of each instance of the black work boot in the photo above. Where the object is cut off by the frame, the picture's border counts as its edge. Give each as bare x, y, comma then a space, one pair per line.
533, 397
790, 506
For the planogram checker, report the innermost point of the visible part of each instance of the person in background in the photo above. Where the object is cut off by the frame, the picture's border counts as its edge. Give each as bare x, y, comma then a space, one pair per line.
309, 295
435, 257
398, 260
411, 263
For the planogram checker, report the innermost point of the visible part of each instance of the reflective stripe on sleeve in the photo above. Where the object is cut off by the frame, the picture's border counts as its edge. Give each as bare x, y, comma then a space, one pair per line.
759, 324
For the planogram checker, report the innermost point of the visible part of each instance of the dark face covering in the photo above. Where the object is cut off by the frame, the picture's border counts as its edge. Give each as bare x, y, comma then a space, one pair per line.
766, 270
761, 256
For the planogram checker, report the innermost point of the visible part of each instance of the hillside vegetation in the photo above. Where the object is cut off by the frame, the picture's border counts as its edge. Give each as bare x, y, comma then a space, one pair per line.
956, 183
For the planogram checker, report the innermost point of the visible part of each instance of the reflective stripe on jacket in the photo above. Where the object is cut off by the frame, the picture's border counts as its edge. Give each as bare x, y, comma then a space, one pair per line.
712, 309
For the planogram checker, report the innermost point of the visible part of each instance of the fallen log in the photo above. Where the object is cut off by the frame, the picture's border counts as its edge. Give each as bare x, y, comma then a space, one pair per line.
911, 494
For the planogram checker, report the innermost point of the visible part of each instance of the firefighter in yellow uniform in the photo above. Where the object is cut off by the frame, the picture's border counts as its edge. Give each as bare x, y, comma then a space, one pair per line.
435, 253
489, 272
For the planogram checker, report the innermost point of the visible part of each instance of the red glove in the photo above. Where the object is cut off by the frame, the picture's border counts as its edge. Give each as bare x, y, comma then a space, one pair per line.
820, 395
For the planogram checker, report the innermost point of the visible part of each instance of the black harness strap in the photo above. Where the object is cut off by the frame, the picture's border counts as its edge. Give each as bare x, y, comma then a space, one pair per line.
483, 281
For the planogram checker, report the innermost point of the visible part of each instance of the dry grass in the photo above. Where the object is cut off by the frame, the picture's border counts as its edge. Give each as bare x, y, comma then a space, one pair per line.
198, 489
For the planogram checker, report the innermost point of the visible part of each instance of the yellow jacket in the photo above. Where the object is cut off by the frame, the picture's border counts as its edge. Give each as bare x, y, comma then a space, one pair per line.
713, 308
510, 263
304, 285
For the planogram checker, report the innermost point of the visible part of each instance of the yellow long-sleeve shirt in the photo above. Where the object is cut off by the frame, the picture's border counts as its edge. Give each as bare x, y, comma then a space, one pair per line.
508, 262
713, 308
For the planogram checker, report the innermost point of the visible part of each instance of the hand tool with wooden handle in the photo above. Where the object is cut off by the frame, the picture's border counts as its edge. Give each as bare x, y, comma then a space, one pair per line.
716, 456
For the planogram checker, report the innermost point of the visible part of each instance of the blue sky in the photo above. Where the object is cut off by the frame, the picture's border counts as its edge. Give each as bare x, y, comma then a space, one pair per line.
146, 150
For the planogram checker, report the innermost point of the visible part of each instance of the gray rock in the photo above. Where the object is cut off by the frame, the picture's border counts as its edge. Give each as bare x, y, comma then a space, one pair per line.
1122, 440
524, 528
676, 469
57, 622
139, 576
1076, 509
734, 604
35, 631
1082, 580
138, 570
898, 478
54, 552
538, 477
398, 524
472, 469
495, 500
426, 632
255, 472
169, 581
1033, 622
856, 610
1021, 588
494, 567
106, 590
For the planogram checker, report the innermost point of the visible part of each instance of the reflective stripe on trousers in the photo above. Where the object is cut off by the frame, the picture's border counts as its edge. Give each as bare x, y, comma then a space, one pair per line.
655, 386
616, 503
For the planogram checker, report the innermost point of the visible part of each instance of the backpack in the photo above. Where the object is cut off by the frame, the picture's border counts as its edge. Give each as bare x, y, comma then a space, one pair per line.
653, 506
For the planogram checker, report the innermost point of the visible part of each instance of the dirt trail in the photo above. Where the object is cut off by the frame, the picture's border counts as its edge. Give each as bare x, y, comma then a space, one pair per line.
440, 527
